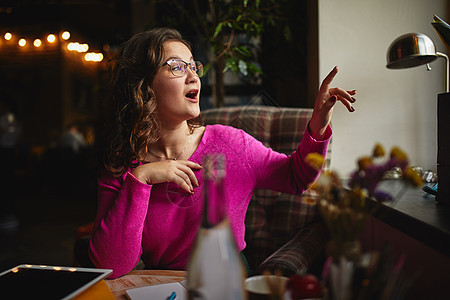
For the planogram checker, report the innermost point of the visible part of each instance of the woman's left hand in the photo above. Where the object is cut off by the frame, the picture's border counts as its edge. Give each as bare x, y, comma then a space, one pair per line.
325, 100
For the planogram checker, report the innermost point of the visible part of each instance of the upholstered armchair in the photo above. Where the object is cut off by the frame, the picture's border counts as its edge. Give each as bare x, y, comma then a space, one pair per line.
283, 231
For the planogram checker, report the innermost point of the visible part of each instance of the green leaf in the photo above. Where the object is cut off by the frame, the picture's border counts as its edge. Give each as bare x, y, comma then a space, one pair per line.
206, 69
243, 50
287, 33
253, 69
237, 26
230, 64
218, 29
243, 68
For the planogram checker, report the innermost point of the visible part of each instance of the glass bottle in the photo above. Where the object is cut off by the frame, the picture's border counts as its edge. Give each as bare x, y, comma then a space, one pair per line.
215, 269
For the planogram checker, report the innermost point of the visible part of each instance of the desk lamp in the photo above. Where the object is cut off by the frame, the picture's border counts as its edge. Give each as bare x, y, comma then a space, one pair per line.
416, 49
412, 50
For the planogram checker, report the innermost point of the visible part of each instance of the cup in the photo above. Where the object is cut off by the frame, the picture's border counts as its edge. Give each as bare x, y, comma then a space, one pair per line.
261, 287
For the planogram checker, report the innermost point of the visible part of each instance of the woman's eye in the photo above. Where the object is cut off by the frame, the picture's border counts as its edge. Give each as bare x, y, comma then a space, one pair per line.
177, 68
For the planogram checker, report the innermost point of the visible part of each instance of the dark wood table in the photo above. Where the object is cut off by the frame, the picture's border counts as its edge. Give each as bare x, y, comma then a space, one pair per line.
416, 226
416, 214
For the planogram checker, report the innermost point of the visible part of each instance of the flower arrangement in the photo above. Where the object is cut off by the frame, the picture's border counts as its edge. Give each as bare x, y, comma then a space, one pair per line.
345, 213
344, 210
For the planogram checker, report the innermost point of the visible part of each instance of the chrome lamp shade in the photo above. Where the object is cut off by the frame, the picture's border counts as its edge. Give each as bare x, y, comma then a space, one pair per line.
412, 50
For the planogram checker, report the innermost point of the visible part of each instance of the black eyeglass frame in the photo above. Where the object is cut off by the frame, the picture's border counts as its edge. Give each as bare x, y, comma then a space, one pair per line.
197, 64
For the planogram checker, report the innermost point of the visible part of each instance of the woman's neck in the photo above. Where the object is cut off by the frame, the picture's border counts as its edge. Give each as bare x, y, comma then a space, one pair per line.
173, 141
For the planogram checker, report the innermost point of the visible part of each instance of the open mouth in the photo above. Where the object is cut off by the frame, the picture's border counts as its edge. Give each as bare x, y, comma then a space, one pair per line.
192, 94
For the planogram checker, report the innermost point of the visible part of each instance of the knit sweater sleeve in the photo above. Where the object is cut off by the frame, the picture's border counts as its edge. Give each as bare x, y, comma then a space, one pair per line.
288, 174
117, 234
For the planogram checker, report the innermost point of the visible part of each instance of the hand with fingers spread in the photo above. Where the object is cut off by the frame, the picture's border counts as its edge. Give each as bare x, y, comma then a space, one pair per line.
180, 172
323, 108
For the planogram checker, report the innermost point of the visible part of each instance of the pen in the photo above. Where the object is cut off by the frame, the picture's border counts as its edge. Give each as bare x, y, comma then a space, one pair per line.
172, 296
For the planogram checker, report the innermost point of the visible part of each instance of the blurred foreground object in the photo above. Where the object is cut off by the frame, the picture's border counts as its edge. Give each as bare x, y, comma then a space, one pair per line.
215, 269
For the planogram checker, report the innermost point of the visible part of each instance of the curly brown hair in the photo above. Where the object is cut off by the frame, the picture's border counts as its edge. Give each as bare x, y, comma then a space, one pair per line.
134, 122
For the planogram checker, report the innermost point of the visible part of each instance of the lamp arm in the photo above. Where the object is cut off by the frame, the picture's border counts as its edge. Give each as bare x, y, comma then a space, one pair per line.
440, 54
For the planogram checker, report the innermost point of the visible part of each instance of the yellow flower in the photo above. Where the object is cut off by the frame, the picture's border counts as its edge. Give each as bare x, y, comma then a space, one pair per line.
412, 176
398, 153
378, 151
315, 160
335, 180
310, 201
364, 162
357, 197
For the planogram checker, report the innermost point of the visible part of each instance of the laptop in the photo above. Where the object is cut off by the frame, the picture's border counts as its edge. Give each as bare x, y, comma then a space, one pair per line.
48, 282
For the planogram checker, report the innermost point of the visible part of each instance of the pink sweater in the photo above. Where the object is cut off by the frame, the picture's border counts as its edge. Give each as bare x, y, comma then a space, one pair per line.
158, 223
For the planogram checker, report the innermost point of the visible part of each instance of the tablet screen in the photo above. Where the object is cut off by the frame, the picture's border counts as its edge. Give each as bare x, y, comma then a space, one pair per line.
47, 282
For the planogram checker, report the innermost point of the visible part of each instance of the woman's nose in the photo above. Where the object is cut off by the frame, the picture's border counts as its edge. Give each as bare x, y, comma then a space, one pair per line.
191, 75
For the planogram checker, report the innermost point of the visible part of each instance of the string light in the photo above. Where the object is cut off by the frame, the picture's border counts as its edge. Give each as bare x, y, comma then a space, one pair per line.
65, 35
75, 46
51, 38
37, 43
92, 56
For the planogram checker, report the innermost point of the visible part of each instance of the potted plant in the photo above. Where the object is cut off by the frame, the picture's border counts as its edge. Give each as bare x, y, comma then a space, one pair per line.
229, 32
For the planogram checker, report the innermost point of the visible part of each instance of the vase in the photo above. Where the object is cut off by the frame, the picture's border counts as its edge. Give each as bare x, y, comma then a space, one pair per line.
340, 268
348, 249
341, 278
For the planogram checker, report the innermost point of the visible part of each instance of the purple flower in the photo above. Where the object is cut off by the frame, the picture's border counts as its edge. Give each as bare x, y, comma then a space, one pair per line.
382, 196
370, 177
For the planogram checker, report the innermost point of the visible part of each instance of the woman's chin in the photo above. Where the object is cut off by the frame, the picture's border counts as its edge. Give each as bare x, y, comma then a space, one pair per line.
194, 115
194, 112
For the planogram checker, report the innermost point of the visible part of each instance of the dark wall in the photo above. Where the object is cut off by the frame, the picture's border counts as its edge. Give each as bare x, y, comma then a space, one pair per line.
31, 85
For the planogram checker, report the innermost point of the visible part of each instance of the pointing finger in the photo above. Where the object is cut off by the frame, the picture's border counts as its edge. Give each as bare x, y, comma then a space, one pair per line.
327, 81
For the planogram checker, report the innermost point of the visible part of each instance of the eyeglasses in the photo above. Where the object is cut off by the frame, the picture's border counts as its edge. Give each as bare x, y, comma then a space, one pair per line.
178, 67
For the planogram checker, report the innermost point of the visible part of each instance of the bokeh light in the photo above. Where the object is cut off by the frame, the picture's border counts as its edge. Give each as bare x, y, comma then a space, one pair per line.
65, 35
51, 38
37, 43
92, 56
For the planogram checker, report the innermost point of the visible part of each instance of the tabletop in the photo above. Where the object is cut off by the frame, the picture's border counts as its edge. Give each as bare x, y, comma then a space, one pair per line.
416, 214
141, 278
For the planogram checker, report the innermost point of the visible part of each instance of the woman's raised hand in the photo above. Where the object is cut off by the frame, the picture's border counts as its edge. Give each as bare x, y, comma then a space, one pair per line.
179, 172
325, 100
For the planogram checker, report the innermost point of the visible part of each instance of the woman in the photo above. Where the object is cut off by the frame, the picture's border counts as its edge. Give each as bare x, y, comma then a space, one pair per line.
150, 193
